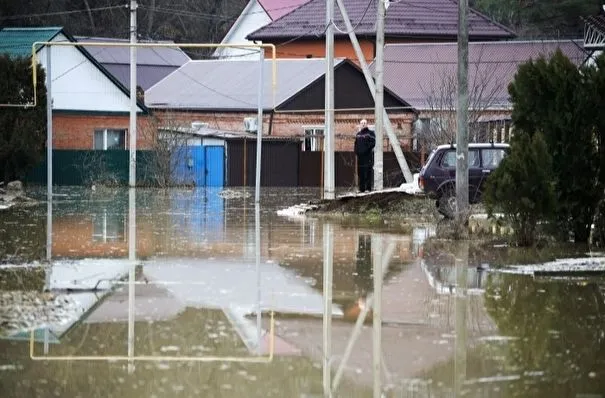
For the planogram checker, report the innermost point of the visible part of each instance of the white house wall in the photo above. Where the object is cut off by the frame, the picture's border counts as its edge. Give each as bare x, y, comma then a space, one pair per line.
78, 84
252, 18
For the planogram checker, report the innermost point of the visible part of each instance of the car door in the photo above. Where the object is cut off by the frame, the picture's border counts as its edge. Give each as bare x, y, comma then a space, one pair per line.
490, 159
475, 175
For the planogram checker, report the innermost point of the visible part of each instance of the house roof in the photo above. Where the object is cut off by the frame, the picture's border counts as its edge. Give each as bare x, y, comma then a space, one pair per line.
404, 19
419, 72
153, 63
278, 8
233, 85
17, 42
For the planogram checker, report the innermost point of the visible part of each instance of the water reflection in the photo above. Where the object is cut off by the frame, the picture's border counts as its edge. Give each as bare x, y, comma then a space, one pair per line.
144, 276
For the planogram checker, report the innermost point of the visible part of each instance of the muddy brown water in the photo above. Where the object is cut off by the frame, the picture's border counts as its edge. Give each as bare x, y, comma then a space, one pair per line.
185, 321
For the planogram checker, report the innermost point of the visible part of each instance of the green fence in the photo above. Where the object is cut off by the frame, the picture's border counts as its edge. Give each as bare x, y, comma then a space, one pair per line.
71, 167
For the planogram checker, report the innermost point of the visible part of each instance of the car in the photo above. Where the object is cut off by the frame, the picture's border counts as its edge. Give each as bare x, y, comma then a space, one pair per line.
437, 178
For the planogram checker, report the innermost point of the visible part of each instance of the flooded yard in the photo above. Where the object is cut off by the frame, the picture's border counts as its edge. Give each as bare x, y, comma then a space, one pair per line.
199, 292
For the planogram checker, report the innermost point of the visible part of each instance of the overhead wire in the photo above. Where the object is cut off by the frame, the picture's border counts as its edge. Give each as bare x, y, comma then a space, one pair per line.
58, 13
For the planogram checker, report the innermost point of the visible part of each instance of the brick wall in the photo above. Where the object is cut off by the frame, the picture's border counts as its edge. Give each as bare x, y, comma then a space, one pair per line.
77, 131
293, 124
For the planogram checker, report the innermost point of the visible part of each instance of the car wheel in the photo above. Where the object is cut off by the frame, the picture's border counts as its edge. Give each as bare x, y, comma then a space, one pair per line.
448, 206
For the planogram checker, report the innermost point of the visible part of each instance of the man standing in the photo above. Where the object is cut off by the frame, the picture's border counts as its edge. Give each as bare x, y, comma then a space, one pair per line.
364, 149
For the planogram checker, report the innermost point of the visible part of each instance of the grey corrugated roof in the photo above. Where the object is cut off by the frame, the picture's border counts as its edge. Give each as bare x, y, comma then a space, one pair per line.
153, 63
232, 85
158, 56
404, 19
417, 71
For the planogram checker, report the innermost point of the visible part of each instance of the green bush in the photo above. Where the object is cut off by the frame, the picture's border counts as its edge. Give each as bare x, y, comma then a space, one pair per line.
555, 98
522, 187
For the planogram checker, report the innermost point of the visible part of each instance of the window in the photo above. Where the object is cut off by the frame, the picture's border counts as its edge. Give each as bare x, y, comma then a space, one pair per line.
108, 227
492, 157
314, 139
449, 159
109, 139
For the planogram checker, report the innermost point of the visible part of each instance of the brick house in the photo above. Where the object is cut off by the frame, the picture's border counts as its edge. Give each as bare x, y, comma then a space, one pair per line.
301, 33
255, 15
90, 106
425, 75
224, 95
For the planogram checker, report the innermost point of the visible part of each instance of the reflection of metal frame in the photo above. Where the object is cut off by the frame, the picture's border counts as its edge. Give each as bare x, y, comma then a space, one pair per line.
152, 358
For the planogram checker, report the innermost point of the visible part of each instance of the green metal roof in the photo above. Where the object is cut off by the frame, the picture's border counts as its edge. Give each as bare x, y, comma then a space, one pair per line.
17, 42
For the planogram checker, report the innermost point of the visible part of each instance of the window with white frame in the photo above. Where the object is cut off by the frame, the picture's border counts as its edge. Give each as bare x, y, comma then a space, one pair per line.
109, 139
108, 227
314, 138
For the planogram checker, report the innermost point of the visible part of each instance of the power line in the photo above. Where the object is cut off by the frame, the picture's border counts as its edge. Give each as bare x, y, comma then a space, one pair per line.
68, 12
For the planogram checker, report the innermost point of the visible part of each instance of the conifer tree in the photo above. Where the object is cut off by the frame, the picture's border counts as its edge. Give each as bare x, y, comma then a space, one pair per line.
523, 187
552, 97
22, 128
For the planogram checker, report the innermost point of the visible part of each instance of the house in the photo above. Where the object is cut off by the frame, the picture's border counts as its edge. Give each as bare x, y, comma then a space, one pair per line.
301, 33
224, 94
153, 63
90, 105
425, 75
255, 15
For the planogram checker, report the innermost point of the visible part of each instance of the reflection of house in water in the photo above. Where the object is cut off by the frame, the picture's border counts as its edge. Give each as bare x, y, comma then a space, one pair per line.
417, 332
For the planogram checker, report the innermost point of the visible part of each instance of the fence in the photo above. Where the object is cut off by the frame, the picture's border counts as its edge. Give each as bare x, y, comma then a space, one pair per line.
283, 164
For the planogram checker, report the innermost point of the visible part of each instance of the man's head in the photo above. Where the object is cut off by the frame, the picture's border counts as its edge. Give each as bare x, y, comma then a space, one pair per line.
363, 123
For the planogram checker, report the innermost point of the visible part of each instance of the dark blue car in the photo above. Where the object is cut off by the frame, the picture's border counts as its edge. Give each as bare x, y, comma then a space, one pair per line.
438, 176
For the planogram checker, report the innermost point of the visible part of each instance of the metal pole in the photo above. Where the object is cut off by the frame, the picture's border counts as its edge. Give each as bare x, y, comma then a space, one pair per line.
407, 174
132, 228
258, 278
132, 139
461, 314
131, 314
462, 118
329, 102
49, 156
328, 263
259, 128
379, 98
377, 315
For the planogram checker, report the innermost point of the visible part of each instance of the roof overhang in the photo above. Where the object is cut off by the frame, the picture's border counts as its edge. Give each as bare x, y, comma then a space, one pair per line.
594, 32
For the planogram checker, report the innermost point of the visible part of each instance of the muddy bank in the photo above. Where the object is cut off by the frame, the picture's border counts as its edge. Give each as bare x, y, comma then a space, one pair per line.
390, 204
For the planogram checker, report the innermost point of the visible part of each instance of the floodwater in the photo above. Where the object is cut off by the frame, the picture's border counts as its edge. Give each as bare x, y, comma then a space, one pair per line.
218, 298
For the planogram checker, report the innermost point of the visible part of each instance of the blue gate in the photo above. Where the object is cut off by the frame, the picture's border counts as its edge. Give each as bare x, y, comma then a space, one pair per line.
189, 165
215, 166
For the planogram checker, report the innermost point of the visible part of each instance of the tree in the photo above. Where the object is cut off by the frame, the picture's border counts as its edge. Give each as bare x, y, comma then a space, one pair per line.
523, 186
486, 82
540, 18
22, 128
166, 162
552, 97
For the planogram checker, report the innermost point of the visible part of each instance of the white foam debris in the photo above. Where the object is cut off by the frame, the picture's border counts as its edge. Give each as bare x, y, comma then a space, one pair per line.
411, 187
232, 194
567, 265
35, 264
296, 210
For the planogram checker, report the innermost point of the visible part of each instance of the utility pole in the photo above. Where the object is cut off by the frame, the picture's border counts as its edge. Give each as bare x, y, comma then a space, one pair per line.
462, 119
329, 104
379, 98
405, 169
132, 136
